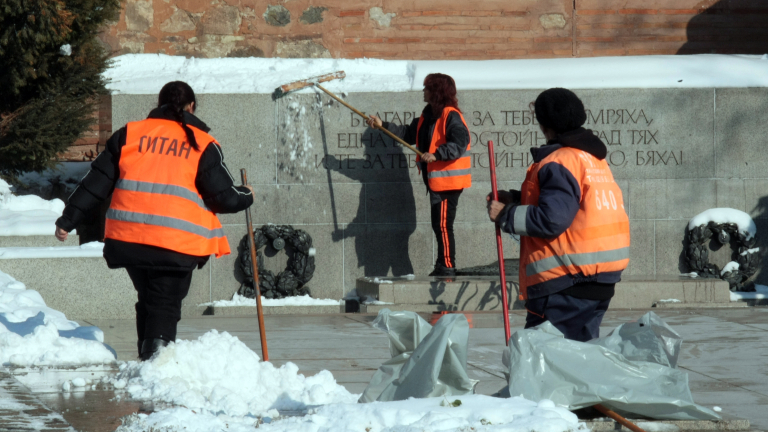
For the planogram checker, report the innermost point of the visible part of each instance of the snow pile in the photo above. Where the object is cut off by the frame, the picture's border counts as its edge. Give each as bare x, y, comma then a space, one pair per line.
146, 73
760, 293
219, 374
87, 250
463, 413
32, 334
731, 266
305, 300
725, 215
27, 215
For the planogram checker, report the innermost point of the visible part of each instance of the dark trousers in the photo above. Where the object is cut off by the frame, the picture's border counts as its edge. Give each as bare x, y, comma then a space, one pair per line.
578, 319
159, 306
443, 214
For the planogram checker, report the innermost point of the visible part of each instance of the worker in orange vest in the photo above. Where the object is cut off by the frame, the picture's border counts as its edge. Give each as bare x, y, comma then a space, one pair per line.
442, 135
574, 231
168, 180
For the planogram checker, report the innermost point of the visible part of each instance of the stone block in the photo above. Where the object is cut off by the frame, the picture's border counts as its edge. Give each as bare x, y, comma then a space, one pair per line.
400, 203
386, 250
669, 243
476, 244
642, 250
671, 198
317, 137
226, 275
731, 193
128, 107
244, 126
739, 143
83, 288
304, 204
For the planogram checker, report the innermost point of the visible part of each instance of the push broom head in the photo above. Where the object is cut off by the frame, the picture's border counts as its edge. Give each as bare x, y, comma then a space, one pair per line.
296, 85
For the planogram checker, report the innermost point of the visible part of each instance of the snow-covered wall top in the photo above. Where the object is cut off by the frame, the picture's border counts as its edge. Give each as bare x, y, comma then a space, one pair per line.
146, 73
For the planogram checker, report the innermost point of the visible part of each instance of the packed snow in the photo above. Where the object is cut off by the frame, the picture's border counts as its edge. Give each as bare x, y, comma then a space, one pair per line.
146, 73
87, 250
760, 293
305, 300
725, 215
220, 374
32, 334
27, 215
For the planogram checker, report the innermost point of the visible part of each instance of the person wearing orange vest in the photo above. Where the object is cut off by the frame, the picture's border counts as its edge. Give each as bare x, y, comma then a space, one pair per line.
574, 231
442, 135
167, 180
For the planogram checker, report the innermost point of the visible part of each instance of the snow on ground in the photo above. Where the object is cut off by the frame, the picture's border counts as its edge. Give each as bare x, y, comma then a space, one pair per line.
32, 334
725, 215
146, 73
87, 250
220, 374
27, 215
474, 413
305, 300
760, 293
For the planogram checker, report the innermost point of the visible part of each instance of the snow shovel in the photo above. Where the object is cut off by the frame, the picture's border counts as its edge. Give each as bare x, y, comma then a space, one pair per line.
255, 272
337, 75
499, 247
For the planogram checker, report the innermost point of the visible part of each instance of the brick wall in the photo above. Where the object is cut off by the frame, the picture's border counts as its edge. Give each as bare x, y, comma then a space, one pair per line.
439, 29
430, 29
93, 141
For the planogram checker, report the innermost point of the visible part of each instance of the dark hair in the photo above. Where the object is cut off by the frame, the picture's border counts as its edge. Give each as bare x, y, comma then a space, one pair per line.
560, 109
173, 97
442, 92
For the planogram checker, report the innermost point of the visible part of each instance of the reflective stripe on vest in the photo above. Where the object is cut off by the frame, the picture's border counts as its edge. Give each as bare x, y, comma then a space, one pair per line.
597, 240
447, 175
163, 189
155, 201
165, 221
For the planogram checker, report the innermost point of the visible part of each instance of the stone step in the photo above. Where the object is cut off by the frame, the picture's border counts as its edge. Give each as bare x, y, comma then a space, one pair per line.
483, 293
608, 425
37, 241
247, 311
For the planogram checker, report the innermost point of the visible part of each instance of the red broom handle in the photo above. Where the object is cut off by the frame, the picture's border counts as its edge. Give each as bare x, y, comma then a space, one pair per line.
499, 247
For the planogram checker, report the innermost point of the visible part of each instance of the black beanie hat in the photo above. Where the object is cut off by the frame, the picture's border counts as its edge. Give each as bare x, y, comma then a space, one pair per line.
560, 109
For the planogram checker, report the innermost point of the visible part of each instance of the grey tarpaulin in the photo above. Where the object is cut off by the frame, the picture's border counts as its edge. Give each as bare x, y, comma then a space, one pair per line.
544, 365
426, 361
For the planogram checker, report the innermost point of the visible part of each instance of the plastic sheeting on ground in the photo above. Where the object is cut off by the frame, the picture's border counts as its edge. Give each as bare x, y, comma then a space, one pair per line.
426, 361
628, 371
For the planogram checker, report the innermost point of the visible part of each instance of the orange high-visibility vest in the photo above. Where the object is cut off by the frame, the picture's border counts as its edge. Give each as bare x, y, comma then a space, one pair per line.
446, 175
155, 201
597, 240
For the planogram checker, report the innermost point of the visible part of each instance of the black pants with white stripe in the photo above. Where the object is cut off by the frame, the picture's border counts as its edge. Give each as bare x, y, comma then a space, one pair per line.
443, 214
159, 306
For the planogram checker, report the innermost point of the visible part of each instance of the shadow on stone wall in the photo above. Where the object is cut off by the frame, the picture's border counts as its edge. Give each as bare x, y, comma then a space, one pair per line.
760, 216
378, 251
726, 27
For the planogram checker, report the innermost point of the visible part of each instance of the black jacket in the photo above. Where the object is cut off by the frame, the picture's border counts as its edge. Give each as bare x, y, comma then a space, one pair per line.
456, 135
213, 181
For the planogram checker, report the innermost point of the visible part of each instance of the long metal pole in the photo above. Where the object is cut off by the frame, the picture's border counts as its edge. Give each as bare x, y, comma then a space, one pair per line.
499, 247
365, 117
255, 270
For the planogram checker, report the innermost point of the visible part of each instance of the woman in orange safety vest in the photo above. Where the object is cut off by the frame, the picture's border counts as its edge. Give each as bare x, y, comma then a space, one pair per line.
167, 180
442, 135
574, 232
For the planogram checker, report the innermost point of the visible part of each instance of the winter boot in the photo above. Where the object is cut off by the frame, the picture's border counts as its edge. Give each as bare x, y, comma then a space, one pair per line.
442, 271
150, 346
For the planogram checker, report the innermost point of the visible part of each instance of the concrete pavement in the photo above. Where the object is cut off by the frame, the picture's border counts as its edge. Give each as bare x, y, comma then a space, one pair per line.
723, 352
